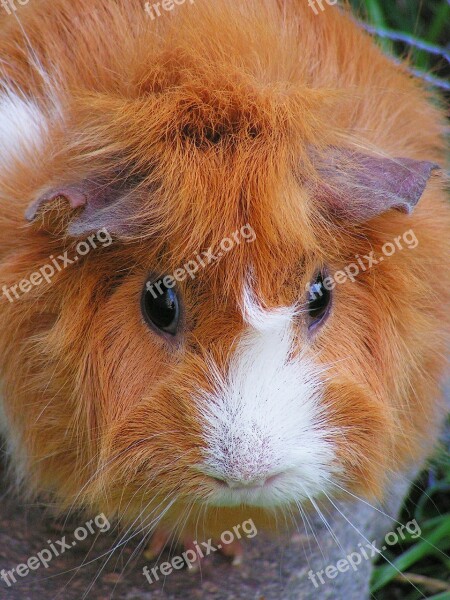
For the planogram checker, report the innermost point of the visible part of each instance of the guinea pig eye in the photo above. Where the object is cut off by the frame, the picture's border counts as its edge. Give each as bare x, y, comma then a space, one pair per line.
319, 298
160, 307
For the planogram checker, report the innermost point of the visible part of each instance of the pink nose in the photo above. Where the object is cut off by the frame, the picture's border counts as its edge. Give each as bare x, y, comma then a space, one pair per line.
245, 482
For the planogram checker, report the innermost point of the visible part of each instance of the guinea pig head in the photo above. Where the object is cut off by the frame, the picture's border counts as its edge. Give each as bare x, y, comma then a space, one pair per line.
211, 357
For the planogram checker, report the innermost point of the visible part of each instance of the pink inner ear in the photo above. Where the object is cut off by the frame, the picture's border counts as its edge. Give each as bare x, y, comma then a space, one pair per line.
74, 196
104, 204
360, 187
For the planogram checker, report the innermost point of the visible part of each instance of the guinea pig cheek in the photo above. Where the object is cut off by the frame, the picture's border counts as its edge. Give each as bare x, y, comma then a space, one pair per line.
130, 360
364, 438
148, 454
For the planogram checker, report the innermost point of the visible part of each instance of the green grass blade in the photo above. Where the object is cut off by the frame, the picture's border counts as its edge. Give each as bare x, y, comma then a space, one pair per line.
386, 573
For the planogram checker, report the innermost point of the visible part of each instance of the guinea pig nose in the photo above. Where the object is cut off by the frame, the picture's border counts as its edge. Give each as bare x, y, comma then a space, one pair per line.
240, 483
247, 483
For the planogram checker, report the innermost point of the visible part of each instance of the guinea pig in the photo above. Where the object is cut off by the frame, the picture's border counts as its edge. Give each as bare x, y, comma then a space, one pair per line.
223, 261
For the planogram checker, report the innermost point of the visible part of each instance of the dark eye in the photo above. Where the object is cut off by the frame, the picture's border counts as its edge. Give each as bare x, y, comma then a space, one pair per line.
160, 306
319, 298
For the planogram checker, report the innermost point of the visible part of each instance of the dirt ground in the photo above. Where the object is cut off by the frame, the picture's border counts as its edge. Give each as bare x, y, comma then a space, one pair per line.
271, 570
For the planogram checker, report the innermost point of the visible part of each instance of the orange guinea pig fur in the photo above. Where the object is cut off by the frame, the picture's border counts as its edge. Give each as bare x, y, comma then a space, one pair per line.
241, 390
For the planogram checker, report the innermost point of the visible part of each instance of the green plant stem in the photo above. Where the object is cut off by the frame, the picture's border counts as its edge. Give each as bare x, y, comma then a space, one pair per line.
387, 573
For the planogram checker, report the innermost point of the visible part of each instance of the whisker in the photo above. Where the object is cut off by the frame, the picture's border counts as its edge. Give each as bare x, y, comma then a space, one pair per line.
380, 552
327, 525
387, 515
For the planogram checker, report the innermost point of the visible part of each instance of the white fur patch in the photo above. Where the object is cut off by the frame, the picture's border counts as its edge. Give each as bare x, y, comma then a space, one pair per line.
265, 429
23, 128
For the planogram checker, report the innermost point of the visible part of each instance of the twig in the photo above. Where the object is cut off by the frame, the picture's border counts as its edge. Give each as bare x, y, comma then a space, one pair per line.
429, 583
398, 36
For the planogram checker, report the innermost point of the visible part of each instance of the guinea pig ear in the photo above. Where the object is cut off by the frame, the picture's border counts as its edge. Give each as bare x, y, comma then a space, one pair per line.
359, 187
101, 205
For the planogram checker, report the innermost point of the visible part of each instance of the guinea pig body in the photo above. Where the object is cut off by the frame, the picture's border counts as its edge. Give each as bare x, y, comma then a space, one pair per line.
274, 178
